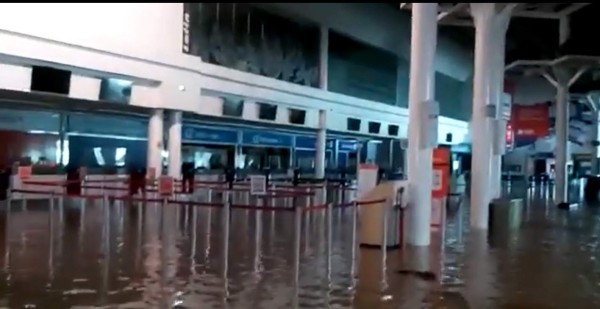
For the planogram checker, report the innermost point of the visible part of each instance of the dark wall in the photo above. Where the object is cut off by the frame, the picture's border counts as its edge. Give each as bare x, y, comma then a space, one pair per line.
362, 71
245, 38
81, 151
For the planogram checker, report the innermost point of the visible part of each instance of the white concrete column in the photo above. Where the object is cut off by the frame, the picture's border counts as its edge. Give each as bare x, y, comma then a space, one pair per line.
562, 139
321, 146
564, 30
324, 58
592, 145
482, 122
422, 88
174, 144
500, 27
155, 141
562, 80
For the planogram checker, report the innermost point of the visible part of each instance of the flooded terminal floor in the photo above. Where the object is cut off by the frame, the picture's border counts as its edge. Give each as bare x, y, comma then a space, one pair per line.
189, 257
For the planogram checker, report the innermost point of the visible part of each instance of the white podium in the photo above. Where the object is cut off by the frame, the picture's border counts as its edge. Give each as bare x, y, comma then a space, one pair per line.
380, 224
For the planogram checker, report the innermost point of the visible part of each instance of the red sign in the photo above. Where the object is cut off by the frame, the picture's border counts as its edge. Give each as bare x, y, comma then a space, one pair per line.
24, 172
509, 136
166, 186
441, 172
531, 121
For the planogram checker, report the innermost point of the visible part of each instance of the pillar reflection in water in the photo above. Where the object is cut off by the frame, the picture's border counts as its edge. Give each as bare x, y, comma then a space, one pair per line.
257, 244
5, 229
106, 240
328, 240
296, 257
226, 223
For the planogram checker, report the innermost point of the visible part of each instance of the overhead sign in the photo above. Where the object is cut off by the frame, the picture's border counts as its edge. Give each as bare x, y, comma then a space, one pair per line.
261, 138
310, 142
347, 145
196, 134
530, 122
306, 142
258, 184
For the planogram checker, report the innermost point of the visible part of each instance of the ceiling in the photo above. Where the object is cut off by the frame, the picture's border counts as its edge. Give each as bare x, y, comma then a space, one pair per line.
533, 33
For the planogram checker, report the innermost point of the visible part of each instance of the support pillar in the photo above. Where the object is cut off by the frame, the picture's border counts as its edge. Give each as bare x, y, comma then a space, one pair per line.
174, 144
562, 140
487, 25
320, 147
592, 143
563, 79
62, 132
155, 142
324, 58
422, 89
500, 27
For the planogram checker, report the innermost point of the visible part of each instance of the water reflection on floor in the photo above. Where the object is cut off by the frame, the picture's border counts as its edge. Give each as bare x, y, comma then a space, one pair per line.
179, 257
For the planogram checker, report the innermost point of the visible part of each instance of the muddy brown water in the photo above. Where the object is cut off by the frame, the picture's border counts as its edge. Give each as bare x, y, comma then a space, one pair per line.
95, 256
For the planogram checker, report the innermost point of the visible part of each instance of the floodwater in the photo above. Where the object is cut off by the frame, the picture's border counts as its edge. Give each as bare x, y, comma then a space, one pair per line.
177, 256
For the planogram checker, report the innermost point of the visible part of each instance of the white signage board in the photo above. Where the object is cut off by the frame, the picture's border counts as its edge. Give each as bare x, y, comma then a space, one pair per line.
367, 179
505, 107
258, 184
429, 113
499, 138
437, 213
437, 180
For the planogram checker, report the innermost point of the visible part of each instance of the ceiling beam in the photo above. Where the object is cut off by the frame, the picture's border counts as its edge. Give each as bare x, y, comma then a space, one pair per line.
535, 14
574, 7
456, 22
455, 8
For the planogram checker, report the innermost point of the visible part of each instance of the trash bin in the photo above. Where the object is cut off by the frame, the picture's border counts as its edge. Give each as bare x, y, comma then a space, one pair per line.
505, 213
5, 174
592, 187
380, 226
381, 223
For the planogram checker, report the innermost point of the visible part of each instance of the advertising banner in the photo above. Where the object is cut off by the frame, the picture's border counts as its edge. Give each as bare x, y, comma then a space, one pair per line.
530, 122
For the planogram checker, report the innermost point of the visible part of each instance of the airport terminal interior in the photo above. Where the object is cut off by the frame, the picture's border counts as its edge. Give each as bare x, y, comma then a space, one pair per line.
299, 155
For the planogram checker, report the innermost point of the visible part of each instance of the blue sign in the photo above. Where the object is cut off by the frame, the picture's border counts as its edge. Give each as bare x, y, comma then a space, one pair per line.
306, 142
259, 138
347, 145
330, 144
310, 142
208, 135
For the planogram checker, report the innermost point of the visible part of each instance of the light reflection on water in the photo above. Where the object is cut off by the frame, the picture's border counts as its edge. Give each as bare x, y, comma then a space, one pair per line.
179, 256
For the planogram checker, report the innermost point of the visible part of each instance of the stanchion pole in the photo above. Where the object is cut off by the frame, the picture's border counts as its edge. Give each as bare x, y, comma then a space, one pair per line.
384, 226
52, 197
23, 202
226, 226
329, 238
297, 231
354, 232
105, 198
9, 198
